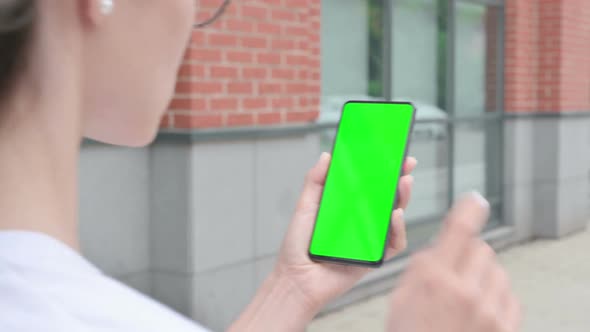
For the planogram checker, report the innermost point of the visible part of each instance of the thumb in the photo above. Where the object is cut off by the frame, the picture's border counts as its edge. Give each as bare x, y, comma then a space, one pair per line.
314, 185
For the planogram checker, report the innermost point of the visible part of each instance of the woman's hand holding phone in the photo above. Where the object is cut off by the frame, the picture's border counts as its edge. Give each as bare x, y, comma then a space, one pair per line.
321, 282
298, 288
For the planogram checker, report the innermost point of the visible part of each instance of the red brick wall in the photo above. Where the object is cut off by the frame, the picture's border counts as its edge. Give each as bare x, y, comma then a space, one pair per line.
259, 64
574, 54
521, 46
547, 56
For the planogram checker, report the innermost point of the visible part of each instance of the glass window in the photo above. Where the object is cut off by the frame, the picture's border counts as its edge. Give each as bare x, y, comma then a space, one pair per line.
417, 66
416, 51
351, 34
476, 50
345, 55
477, 159
431, 188
352, 38
363, 60
477, 154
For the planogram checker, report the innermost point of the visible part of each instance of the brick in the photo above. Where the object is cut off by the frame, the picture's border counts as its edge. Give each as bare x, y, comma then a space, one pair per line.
224, 104
254, 103
239, 25
255, 12
315, 52
295, 31
253, 42
239, 56
296, 88
240, 119
282, 44
204, 55
254, 73
187, 104
240, 87
270, 88
296, 3
303, 102
268, 28
283, 102
269, 118
303, 74
316, 25
198, 37
315, 89
194, 121
296, 60
282, 14
314, 63
268, 58
199, 87
222, 39
223, 72
303, 17
283, 73
314, 11
302, 45
314, 42
200, 104
307, 116
191, 70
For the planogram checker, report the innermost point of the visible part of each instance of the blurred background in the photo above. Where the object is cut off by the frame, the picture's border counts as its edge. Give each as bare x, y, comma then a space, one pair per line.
503, 96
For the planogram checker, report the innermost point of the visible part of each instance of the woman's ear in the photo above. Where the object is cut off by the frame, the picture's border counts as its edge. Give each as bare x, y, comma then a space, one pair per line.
94, 12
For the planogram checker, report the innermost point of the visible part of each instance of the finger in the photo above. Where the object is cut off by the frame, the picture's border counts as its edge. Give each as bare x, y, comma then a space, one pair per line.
496, 291
479, 256
495, 286
406, 183
462, 224
314, 184
508, 305
513, 314
398, 241
409, 165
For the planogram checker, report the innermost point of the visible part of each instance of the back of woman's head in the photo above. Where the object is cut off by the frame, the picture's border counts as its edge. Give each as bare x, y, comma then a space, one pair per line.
17, 18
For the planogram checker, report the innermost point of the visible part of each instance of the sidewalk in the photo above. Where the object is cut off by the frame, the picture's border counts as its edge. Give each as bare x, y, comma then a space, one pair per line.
552, 279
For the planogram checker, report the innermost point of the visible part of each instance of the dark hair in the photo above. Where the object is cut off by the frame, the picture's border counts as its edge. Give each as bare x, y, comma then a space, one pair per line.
17, 18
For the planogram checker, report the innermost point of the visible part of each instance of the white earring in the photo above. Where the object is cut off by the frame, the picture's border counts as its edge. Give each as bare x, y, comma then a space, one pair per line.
107, 6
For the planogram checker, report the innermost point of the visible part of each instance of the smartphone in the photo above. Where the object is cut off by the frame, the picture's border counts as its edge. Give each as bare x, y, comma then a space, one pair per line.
360, 192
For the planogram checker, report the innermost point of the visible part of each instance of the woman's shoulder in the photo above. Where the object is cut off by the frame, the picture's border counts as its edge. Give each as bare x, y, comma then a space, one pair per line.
45, 286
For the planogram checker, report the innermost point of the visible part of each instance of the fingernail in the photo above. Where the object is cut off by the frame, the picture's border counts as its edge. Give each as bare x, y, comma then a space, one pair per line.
480, 199
324, 156
401, 213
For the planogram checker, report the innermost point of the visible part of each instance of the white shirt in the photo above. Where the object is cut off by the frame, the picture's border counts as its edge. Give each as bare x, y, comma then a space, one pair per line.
47, 286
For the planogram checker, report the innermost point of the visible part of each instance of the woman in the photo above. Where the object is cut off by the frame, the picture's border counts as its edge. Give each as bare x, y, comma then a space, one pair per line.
73, 68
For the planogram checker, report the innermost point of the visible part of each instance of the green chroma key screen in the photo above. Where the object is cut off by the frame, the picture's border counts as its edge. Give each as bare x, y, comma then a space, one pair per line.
361, 186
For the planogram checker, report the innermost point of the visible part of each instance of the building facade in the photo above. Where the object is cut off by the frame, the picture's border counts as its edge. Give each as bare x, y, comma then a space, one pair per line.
503, 96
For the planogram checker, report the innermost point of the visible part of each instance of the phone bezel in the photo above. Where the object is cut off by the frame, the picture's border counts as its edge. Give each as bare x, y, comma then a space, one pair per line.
347, 261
